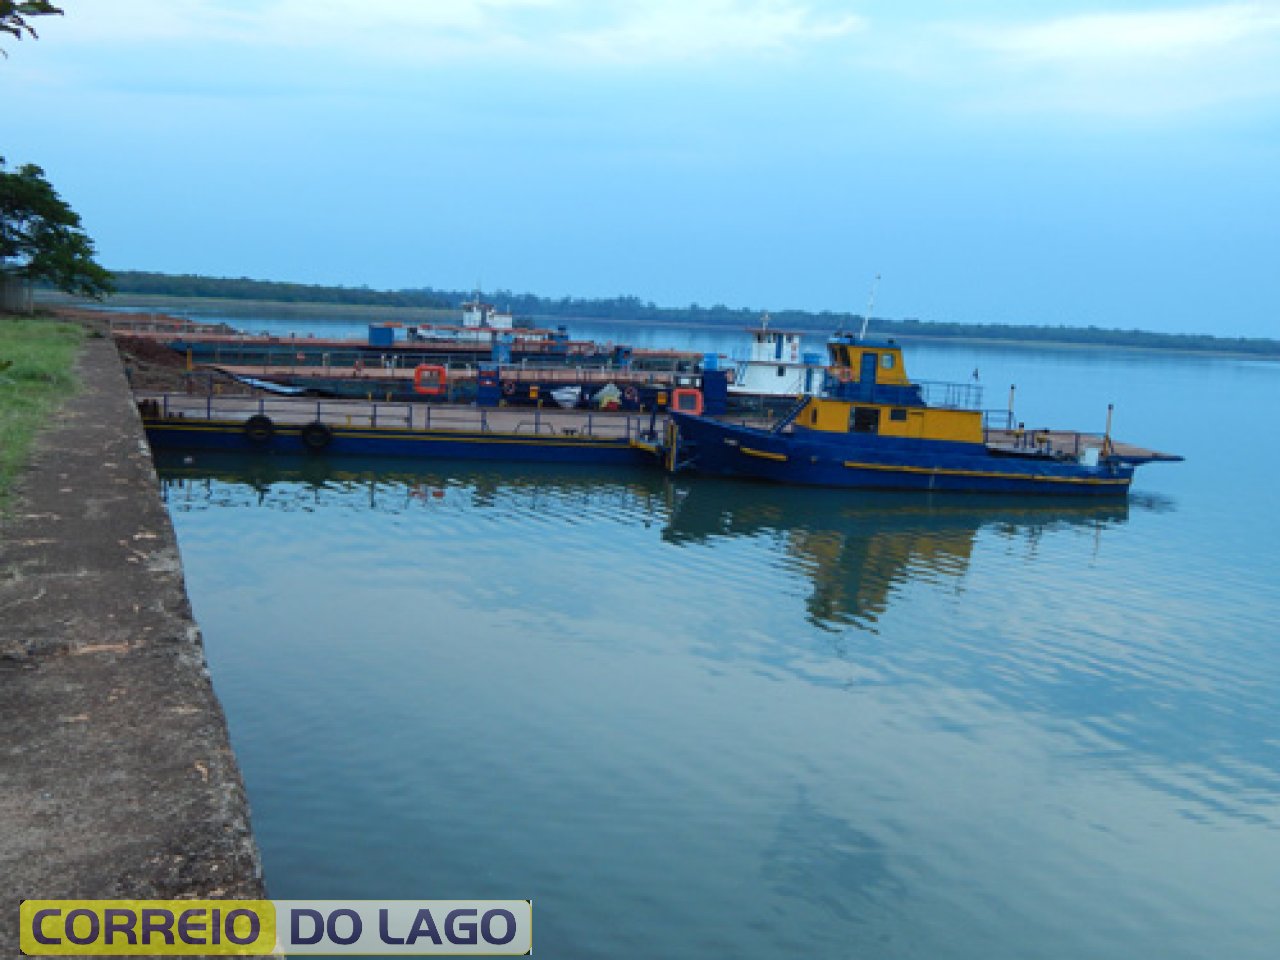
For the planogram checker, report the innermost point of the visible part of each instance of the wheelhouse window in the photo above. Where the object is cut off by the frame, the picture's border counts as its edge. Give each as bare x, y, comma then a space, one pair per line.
864, 420
898, 413
886, 360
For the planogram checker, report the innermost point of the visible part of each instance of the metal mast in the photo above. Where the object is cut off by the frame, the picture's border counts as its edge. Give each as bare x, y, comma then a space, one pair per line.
871, 301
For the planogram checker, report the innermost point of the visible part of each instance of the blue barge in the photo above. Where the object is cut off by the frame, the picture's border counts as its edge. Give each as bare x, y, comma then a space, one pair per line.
416, 431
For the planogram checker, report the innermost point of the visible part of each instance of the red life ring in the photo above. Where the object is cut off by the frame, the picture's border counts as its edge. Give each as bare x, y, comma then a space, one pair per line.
631, 394
434, 387
508, 387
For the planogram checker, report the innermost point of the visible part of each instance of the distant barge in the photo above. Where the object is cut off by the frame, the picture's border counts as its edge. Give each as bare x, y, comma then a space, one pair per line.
531, 363
392, 346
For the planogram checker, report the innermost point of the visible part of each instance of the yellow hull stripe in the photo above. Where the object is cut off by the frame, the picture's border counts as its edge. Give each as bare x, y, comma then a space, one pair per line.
981, 473
763, 454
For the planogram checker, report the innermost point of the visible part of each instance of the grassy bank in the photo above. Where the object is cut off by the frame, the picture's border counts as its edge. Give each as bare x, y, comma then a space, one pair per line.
36, 356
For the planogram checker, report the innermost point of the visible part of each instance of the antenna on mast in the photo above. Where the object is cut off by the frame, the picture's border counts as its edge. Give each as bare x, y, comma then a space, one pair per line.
871, 301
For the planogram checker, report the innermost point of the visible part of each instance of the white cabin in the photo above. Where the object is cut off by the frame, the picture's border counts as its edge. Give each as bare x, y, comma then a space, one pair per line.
476, 314
774, 346
777, 366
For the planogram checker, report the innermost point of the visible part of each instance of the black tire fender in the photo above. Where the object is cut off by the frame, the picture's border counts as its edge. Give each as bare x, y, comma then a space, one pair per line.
259, 429
316, 436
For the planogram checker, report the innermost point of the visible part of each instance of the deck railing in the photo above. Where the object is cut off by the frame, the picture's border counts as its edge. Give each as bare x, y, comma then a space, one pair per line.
953, 396
543, 421
933, 393
998, 420
1062, 443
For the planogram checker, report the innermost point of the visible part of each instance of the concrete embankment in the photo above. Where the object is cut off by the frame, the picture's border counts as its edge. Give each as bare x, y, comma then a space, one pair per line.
116, 773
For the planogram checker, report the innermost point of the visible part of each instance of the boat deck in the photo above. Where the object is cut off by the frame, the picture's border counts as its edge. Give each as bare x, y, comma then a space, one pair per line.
404, 374
546, 421
1069, 442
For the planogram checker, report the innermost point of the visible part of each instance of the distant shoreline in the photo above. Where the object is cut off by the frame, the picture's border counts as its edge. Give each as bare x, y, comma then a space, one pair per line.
336, 312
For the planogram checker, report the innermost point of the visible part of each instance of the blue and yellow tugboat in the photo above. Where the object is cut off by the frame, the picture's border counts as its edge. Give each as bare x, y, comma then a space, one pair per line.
873, 427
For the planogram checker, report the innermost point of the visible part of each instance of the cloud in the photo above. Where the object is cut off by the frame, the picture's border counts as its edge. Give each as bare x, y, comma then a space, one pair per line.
686, 30
1144, 37
1149, 62
1153, 62
548, 30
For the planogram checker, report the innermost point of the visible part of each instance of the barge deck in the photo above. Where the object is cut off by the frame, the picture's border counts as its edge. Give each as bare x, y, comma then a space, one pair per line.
363, 428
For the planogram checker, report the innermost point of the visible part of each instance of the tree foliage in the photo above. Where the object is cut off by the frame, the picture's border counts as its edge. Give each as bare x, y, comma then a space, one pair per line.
15, 16
630, 309
41, 237
226, 288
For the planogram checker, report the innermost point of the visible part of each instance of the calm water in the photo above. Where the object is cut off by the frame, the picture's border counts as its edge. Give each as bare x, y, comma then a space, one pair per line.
707, 719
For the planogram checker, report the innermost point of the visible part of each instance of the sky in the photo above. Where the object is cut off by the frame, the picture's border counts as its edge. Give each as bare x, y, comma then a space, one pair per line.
1115, 164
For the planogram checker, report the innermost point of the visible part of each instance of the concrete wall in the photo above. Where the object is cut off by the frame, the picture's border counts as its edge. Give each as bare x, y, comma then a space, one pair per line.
117, 777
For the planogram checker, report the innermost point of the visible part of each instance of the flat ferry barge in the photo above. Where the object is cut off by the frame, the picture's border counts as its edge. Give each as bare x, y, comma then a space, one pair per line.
410, 430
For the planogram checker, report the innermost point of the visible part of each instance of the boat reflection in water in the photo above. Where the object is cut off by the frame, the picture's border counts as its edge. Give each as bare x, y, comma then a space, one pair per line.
390, 484
856, 549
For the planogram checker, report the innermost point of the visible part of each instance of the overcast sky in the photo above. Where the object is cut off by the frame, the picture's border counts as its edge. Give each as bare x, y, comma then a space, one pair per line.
1047, 162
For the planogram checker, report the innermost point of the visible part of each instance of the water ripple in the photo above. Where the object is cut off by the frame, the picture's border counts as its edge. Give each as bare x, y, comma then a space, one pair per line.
871, 716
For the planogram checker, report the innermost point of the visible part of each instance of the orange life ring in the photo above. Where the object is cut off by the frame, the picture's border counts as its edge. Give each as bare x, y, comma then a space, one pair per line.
437, 384
843, 374
687, 400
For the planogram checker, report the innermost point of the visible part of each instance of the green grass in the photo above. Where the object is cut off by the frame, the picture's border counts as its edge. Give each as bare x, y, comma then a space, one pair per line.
37, 356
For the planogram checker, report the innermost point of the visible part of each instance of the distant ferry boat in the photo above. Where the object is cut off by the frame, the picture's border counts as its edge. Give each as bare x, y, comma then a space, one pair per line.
873, 427
481, 323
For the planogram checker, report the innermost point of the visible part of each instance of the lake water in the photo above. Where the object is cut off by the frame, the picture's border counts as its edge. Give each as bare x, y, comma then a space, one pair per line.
710, 719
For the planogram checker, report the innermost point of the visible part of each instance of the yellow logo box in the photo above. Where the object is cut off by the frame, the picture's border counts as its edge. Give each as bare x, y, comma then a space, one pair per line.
139, 928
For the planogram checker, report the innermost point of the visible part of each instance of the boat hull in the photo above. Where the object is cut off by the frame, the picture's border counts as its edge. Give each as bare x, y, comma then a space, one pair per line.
714, 448
230, 436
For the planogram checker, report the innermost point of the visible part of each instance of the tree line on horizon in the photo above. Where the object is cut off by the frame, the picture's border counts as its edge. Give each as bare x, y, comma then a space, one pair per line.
632, 309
